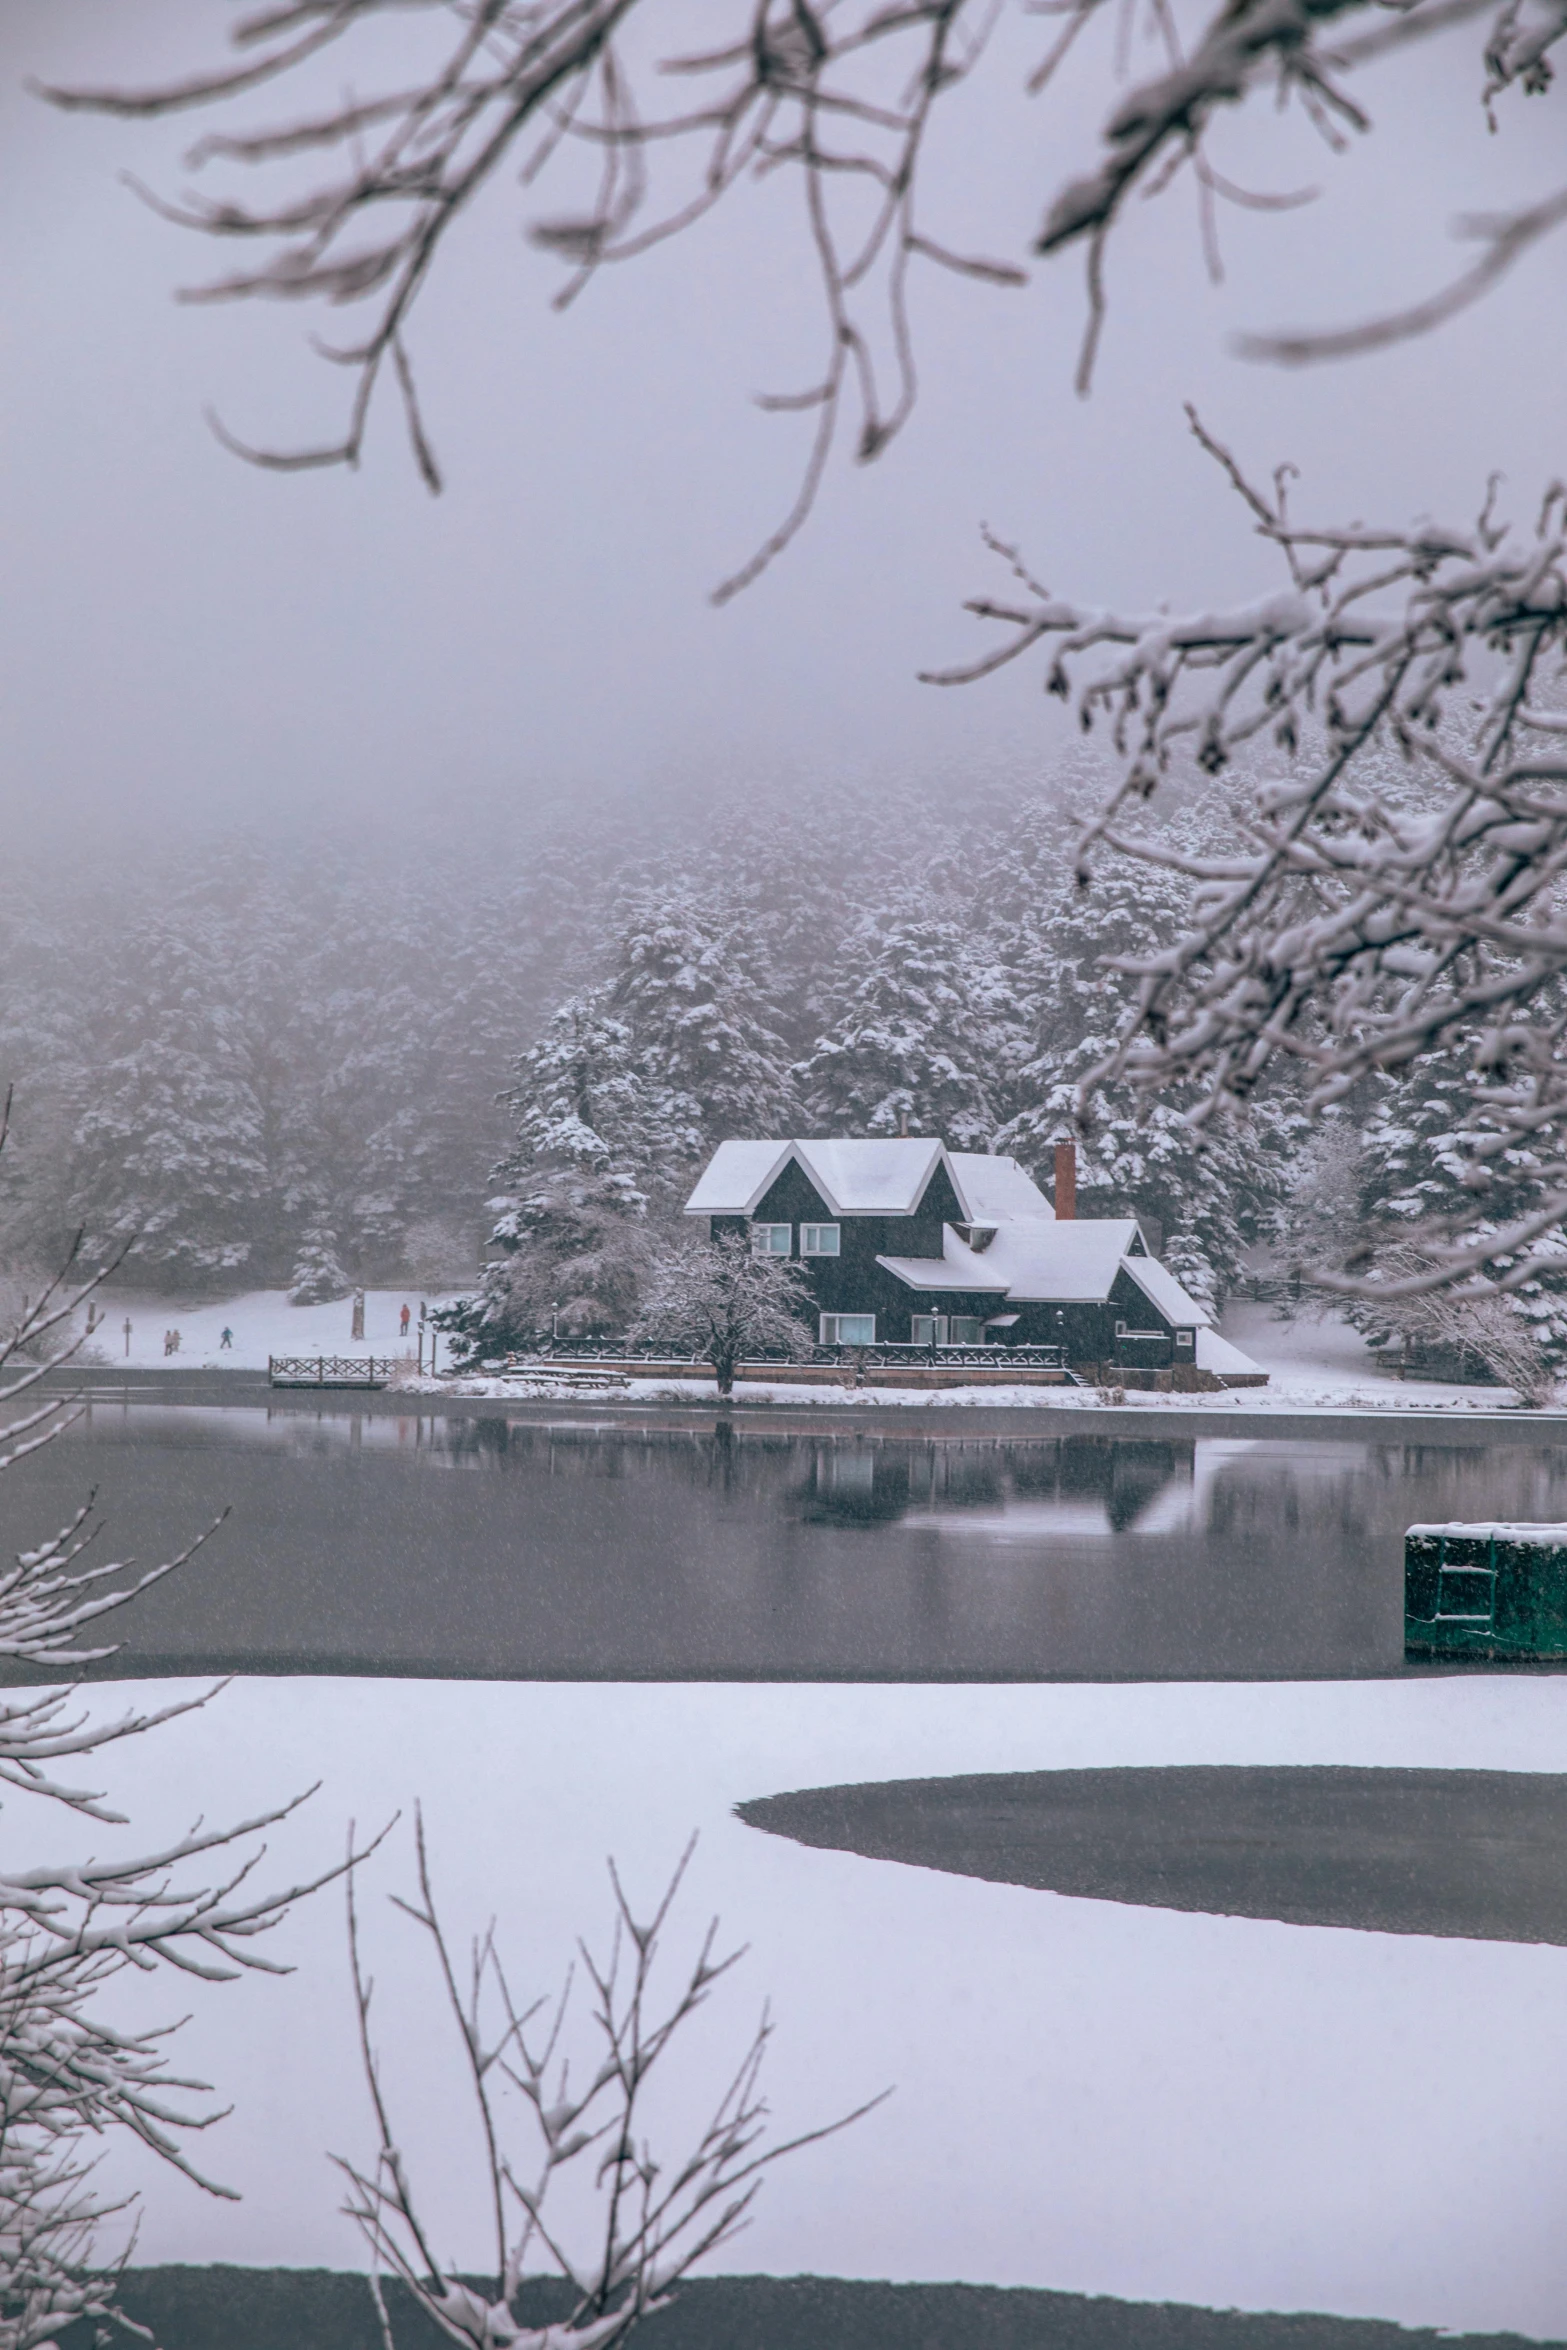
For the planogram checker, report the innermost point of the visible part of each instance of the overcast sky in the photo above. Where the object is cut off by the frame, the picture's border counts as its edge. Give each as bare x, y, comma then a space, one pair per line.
185, 635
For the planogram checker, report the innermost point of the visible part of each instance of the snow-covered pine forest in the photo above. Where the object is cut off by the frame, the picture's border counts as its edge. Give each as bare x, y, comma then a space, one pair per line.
317, 1061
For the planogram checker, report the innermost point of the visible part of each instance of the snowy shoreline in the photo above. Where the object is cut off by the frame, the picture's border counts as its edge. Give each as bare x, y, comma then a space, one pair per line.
1316, 1369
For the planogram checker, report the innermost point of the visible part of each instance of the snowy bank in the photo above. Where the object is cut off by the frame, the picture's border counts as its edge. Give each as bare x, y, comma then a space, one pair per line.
1227, 2111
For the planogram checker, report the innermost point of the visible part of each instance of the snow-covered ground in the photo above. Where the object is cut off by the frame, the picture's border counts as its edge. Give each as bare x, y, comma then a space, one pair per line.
1324, 1361
1310, 1363
1089, 2095
262, 1322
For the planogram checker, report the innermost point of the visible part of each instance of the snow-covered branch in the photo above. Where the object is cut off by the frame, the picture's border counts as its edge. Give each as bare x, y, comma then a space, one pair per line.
1397, 886
723, 1300
656, 2216
67, 1930
363, 192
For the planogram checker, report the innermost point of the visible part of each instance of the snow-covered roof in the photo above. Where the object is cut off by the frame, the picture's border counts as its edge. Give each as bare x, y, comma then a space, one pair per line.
959, 1267
1072, 1263
735, 1177
855, 1178
996, 1190
1217, 1354
1157, 1282
1499, 1530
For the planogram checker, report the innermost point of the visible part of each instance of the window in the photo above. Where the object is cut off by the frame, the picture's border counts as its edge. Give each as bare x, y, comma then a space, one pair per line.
947, 1330
847, 1329
771, 1240
1186, 1338
820, 1240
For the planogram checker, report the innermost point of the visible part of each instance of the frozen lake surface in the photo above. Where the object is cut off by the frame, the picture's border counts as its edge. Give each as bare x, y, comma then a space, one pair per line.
1095, 2095
509, 1548
1268, 2059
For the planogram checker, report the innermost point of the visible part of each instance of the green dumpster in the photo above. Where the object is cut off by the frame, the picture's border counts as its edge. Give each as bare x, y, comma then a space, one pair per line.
1492, 1592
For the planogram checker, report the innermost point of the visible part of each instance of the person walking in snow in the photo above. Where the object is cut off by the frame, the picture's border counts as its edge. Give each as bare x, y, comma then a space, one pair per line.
226, 1340
403, 1321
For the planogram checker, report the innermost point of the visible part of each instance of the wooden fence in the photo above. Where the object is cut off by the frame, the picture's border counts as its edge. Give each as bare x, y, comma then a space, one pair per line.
330, 1370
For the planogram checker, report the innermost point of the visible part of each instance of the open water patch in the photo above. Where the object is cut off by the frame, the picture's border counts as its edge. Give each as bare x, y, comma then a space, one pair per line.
1477, 1854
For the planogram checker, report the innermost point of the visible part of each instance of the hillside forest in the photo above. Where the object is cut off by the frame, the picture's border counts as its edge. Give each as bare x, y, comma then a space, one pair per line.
311, 1062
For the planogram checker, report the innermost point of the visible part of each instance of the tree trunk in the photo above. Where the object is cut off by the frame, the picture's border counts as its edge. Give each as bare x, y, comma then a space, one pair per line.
724, 1366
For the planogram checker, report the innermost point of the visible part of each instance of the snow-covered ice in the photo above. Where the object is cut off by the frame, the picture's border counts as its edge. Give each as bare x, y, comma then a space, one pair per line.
1091, 2096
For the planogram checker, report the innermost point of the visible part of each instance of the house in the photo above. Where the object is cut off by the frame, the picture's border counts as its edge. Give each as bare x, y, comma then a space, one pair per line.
909, 1244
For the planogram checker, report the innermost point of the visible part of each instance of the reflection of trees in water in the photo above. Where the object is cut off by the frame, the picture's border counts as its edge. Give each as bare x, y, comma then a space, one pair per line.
1348, 1497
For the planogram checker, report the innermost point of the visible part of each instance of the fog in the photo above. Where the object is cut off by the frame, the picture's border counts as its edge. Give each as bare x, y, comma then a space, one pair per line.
189, 643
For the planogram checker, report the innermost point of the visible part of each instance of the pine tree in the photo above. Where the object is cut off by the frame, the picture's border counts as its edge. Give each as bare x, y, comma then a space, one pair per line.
317, 1278
1425, 1158
1211, 1192
911, 1038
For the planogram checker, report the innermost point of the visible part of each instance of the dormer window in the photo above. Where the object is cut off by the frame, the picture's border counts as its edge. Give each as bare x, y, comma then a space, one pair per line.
820, 1240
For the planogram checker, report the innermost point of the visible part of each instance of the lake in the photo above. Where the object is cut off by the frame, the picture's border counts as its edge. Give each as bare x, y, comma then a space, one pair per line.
588, 1547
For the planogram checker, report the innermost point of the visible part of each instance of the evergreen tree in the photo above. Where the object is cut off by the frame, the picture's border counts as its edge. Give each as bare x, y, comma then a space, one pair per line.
318, 1278
1212, 1191
1425, 1158
911, 1039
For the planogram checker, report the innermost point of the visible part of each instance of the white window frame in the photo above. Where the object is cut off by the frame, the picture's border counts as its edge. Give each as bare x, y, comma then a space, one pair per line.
975, 1323
811, 1244
1186, 1338
934, 1332
765, 1242
832, 1329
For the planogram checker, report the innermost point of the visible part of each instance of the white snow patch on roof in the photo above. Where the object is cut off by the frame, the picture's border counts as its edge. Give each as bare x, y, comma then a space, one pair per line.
1159, 1284
872, 1178
1058, 1263
1498, 1530
958, 1268
1217, 1354
855, 1178
735, 1178
996, 1190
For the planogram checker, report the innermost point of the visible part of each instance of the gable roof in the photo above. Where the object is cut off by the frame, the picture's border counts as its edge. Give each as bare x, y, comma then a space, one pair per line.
1157, 1282
1039, 1261
855, 1178
995, 1190
1073, 1263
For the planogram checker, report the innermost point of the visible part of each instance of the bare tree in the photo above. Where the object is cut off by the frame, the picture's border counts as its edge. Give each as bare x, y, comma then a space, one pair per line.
724, 1300
1451, 1330
656, 2216
68, 2076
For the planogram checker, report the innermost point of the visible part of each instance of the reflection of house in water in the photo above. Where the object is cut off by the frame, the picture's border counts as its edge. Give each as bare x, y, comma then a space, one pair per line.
1000, 1490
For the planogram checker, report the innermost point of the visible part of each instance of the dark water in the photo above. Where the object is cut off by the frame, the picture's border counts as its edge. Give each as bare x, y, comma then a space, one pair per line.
482, 1546
1480, 1854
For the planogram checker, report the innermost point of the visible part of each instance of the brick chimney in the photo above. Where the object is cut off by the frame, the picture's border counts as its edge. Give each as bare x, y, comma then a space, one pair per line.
1066, 1182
